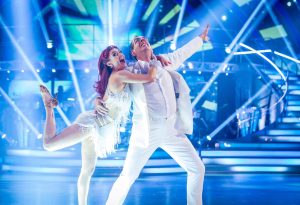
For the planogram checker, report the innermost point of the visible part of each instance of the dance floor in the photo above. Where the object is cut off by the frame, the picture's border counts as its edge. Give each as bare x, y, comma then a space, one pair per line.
228, 189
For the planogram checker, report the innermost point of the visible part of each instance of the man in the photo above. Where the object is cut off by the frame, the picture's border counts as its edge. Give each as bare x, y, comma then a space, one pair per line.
162, 113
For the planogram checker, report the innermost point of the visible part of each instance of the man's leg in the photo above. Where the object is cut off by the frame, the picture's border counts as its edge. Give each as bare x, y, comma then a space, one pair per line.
183, 152
135, 160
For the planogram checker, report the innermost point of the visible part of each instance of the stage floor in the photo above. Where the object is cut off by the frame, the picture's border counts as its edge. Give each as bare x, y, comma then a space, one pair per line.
227, 189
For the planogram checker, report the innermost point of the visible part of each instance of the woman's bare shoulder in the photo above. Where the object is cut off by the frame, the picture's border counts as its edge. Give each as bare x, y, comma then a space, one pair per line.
114, 84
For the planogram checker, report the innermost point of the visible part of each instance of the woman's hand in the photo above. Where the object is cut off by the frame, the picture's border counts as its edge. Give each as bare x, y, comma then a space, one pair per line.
152, 72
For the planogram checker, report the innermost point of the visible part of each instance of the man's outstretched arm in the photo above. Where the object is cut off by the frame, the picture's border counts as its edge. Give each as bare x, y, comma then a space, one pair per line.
186, 51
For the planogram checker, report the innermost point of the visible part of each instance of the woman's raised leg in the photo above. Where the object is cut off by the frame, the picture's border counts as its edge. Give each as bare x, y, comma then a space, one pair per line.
69, 136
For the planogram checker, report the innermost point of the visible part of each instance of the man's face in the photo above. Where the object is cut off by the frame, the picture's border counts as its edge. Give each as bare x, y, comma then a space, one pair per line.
140, 44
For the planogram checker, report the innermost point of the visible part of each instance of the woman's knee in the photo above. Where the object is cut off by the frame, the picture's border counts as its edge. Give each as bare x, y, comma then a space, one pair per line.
48, 146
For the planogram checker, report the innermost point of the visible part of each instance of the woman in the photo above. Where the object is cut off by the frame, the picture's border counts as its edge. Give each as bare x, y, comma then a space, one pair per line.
98, 134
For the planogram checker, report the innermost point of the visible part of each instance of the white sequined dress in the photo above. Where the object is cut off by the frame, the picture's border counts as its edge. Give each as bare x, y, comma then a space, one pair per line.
104, 130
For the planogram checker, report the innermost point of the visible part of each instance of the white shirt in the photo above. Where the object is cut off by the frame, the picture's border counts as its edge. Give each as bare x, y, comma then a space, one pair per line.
160, 94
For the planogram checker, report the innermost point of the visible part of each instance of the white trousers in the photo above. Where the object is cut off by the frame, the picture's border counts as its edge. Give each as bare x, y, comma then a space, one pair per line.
163, 135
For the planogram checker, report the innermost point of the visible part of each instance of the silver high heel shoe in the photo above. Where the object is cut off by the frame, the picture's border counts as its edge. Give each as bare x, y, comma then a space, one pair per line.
53, 102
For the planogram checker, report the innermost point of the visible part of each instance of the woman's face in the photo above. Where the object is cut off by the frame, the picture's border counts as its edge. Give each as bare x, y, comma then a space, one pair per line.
116, 59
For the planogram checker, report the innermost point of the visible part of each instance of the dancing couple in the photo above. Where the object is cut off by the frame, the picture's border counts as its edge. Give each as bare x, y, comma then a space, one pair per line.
162, 115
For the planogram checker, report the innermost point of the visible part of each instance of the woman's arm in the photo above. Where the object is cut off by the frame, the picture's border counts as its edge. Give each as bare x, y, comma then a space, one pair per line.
127, 77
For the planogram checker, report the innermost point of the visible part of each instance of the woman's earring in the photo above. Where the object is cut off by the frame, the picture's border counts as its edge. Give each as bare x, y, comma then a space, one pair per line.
110, 65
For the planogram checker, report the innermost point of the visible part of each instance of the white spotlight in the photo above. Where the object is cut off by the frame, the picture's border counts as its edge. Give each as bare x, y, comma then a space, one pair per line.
71, 70
184, 71
71, 99
39, 136
190, 65
3, 136
199, 72
227, 50
289, 4
8, 71
208, 138
86, 70
22, 70
224, 18
53, 70
110, 23
225, 67
122, 129
49, 44
287, 57
37, 70
173, 46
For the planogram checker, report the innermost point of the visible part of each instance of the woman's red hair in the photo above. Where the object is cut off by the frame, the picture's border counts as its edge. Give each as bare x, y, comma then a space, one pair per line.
104, 71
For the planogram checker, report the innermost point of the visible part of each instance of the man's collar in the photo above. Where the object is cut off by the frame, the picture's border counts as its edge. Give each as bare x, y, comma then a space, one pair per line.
141, 63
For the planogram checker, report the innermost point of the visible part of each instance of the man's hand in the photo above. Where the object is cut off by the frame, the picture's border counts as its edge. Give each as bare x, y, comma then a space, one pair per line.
100, 107
164, 62
204, 35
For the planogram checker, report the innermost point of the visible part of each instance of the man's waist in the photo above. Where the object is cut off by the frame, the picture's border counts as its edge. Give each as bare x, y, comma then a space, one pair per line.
158, 118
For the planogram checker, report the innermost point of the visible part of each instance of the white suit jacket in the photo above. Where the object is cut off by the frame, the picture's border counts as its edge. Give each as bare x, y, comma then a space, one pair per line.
184, 119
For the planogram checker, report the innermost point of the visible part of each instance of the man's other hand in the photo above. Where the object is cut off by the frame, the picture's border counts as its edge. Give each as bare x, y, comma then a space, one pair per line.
164, 62
204, 34
100, 107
